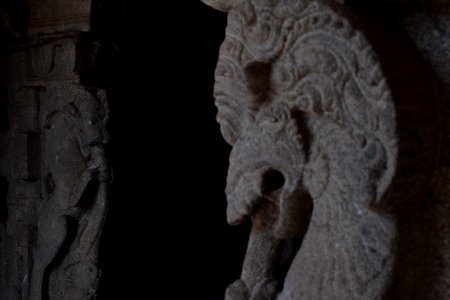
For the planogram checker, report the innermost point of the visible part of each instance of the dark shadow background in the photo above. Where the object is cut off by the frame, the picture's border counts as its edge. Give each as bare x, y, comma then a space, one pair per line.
166, 235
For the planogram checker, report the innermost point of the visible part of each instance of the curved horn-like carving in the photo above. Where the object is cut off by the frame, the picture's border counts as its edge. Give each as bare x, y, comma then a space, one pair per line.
302, 98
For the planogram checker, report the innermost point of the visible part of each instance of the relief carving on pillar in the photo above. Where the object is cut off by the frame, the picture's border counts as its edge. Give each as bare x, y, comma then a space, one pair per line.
54, 60
54, 162
304, 100
74, 207
54, 172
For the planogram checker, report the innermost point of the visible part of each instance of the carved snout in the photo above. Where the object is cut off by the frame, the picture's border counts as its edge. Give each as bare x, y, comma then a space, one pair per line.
240, 208
251, 192
283, 202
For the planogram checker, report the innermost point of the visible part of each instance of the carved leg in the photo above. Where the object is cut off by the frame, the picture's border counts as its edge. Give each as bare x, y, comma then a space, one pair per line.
257, 279
51, 237
80, 265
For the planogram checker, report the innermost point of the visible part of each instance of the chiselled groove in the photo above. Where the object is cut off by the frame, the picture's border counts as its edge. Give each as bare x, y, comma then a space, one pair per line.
286, 256
258, 77
304, 131
307, 139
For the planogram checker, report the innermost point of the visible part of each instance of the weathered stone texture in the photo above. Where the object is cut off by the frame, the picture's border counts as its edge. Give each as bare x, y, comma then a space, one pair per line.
52, 156
335, 118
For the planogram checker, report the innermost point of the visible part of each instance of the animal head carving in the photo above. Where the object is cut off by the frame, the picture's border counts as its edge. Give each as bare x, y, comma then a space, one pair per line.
91, 115
304, 82
303, 100
87, 116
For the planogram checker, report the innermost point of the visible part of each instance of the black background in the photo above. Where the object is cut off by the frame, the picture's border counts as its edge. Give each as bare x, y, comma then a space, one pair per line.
166, 235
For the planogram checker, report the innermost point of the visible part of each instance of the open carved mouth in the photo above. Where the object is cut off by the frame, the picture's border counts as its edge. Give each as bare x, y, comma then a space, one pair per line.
238, 214
246, 202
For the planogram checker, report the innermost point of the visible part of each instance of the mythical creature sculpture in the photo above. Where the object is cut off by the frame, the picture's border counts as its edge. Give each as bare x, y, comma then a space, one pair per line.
73, 211
303, 100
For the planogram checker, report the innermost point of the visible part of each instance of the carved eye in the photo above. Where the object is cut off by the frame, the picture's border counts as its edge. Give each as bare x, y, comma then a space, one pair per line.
272, 181
92, 122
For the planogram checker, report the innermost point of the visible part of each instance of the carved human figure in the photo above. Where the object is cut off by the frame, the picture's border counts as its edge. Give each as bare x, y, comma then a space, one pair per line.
72, 214
302, 99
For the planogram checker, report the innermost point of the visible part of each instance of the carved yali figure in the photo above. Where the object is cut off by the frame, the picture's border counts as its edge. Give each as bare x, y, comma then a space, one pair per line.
302, 99
73, 211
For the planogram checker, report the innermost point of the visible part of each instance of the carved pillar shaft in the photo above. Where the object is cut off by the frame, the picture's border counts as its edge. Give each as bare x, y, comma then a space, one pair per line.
53, 154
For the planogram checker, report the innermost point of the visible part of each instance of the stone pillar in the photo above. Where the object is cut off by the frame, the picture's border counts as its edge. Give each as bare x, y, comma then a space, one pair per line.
52, 152
336, 112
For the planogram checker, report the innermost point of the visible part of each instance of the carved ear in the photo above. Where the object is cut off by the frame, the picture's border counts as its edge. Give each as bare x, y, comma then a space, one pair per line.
72, 110
49, 119
222, 5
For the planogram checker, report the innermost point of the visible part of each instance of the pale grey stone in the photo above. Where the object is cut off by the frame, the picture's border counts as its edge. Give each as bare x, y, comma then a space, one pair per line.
322, 106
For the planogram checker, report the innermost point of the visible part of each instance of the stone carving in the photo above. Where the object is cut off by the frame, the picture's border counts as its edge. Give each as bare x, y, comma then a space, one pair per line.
52, 155
304, 102
54, 162
73, 211
52, 61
